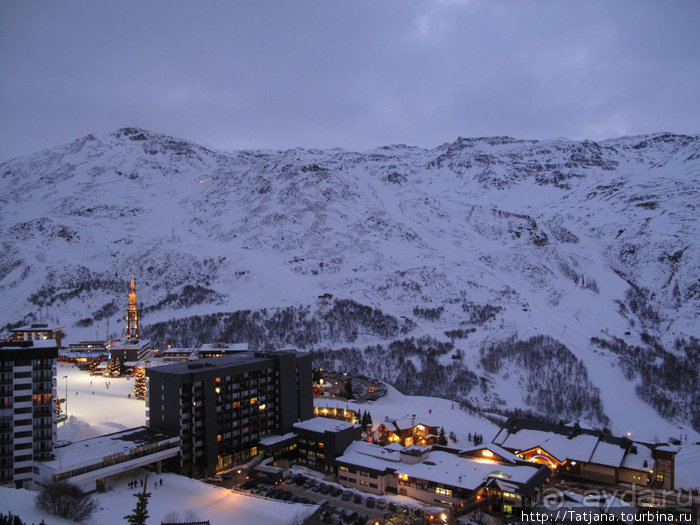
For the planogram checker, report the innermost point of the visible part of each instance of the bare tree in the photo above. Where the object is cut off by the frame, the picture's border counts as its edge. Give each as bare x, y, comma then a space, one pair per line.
62, 499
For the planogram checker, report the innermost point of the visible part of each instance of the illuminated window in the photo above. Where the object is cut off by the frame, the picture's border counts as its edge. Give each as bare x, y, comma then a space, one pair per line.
487, 453
262, 407
443, 491
236, 404
253, 400
508, 509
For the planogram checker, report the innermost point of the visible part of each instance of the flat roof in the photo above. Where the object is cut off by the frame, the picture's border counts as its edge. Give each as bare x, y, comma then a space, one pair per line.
209, 363
231, 347
324, 424
273, 439
127, 345
90, 451
37, 327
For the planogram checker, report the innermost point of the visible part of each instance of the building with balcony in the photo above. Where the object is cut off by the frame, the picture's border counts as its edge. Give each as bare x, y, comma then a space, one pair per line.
27, 408
321, 440
221, 407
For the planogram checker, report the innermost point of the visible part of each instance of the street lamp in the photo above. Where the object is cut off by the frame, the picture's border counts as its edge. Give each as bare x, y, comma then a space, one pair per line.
66, 378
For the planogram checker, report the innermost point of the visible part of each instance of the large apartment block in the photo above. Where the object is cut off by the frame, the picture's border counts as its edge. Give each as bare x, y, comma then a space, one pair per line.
27, 408
220, 407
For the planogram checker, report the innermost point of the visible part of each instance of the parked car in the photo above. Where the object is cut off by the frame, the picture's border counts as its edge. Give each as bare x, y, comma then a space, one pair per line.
317, 486
346, 495
381, 504
357, 498
336, 491
326, 489
392, 506
300, 480
216, 478
308, 483
248, 484
371, 502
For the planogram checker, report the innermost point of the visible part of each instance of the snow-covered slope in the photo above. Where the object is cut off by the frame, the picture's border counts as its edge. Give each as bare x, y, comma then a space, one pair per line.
591, 246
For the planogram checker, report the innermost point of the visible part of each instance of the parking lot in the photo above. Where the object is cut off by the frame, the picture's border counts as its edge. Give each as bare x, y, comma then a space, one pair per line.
339, 504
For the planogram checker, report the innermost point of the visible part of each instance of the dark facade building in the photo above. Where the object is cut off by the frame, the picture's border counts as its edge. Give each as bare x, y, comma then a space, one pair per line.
220, 407
27, 408
321, 440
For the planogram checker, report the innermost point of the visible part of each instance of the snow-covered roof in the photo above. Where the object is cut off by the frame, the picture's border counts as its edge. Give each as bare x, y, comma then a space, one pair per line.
438, 467
560, 446
499, 451
89, 451
37, 327
408, 423
607, 454
177, 351
324, 424
224, 347
273, 439
636, 460
124, 344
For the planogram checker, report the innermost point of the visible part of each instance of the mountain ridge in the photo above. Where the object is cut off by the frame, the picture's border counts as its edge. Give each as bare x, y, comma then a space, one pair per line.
574, 240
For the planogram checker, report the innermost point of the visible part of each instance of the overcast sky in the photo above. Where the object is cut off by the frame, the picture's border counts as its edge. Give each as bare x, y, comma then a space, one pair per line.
261, 74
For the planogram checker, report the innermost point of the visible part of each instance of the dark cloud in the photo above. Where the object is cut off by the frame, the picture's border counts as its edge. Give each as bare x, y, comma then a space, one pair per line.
353, 74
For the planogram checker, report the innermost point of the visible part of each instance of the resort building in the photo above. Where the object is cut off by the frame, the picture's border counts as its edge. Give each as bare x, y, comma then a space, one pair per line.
27, 408
321, 440
221, 407
38, 332
443, 476
590, 455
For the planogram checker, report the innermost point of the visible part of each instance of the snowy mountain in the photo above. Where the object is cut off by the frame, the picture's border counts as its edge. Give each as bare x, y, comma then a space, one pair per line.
557, 277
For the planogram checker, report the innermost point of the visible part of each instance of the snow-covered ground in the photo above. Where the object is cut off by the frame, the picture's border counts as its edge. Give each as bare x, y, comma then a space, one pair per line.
177, 494
109, 410
95, 409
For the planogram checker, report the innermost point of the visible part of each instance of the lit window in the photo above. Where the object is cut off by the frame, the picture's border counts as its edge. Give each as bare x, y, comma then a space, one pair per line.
487, 453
